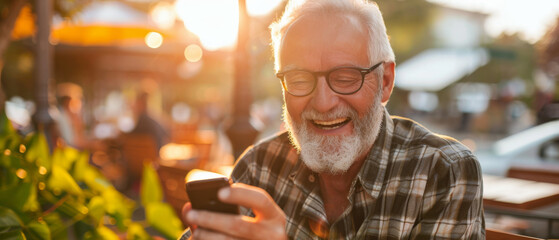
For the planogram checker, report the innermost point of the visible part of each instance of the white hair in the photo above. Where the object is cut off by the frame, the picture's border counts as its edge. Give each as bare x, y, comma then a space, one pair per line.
366, 13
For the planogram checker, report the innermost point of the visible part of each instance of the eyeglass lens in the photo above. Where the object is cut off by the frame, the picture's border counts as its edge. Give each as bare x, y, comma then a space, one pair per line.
343, 80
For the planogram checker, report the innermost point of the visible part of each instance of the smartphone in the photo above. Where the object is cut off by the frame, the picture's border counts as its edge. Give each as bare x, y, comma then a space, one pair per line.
203, 195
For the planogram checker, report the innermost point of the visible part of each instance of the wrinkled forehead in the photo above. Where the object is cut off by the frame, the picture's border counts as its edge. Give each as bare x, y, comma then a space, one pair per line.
321, 35
323, 24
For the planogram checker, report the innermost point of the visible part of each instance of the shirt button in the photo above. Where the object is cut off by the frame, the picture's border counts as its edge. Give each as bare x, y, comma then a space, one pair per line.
311, 178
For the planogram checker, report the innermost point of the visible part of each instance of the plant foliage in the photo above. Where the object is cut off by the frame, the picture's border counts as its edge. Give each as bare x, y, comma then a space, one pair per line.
44, 196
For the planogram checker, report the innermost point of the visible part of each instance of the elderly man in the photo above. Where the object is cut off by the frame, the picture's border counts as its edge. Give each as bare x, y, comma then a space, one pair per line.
345, 168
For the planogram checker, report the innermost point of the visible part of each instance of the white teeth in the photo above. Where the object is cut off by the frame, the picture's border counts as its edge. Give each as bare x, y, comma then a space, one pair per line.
332, 122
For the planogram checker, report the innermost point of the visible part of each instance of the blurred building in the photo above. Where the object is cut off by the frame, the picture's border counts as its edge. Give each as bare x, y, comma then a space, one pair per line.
466, 79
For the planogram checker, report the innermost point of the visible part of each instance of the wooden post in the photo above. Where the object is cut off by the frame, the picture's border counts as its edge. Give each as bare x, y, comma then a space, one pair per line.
240, 131
43, 70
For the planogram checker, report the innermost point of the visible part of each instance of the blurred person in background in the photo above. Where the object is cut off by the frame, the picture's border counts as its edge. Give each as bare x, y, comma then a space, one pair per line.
70, 120
146, 124
345, 168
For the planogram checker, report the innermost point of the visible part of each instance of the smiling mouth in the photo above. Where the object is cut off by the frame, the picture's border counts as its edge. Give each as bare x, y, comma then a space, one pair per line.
332, 124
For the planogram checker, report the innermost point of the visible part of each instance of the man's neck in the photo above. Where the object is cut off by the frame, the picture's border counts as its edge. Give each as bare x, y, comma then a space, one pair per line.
335, 189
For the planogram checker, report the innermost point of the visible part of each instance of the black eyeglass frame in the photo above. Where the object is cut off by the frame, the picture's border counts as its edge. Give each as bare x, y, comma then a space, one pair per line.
326, 74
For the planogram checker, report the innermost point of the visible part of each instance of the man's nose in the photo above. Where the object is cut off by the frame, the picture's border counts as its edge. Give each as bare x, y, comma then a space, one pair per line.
323, 98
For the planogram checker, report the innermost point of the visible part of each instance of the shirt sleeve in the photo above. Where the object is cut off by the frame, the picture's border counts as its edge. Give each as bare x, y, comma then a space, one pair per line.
241, 173
453, 203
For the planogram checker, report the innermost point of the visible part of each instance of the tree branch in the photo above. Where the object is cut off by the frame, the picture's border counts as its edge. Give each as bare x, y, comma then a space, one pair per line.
6, 26
7, 23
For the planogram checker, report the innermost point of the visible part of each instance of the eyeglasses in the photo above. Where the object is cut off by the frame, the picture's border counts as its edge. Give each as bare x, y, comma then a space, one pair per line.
342, 80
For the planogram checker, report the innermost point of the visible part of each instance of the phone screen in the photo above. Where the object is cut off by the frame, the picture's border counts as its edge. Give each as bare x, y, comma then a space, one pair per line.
203, 195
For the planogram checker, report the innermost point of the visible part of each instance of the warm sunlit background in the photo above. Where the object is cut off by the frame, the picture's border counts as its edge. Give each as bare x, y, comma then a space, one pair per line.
512, 16
483, 71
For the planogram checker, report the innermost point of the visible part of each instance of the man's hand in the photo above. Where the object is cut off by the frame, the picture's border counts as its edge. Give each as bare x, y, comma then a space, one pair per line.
268, 223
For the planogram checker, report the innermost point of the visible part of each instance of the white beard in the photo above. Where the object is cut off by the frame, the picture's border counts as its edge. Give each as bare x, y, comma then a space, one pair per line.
335, 154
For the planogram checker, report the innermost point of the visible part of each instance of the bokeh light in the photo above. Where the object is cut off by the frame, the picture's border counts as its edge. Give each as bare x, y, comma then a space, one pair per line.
154, 39
193, 53
214, 22
21, 173
423, 101
174, 152
163, 15
181, 112
126, 123
105, 130
19, 111
22, 148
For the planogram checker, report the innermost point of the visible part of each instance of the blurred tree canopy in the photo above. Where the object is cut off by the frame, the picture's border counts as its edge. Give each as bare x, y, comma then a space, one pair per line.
9, 12
408, 23
549, 49
549, 56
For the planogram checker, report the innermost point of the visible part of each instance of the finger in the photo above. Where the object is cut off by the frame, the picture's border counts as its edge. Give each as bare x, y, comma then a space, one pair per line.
252, 197
235, 225
203, 233
185, 209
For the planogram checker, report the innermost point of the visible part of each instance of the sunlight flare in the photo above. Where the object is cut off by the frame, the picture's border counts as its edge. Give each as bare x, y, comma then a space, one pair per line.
215, 22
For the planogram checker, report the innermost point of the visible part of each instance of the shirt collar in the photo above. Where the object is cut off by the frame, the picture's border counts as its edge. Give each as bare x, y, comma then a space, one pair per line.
307, 181
303, 177
371, 175
372, 172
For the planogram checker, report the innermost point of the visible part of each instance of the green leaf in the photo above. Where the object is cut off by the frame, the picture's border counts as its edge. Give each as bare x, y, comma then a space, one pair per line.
151, 188
58, 229
7, 133
65, 157
75, 208
10, 225
31, 204
96, 208
81, 166
99, 233
61, 180
8, 219
94, 180
6, 127
16, 196
136, 232
106, 233
163, 218
9, 138
37, 230
38, 151
118, 206
12, 235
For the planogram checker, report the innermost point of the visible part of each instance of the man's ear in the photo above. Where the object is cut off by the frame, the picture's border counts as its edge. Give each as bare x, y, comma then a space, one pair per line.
387, 80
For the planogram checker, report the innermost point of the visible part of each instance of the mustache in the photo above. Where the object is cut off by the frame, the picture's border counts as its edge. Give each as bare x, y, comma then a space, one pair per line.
339, 112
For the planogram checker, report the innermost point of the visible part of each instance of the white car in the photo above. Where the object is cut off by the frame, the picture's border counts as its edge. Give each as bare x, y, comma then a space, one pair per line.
538, 145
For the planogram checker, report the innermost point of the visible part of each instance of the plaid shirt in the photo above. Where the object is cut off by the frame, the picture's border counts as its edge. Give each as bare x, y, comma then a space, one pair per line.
414, 184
